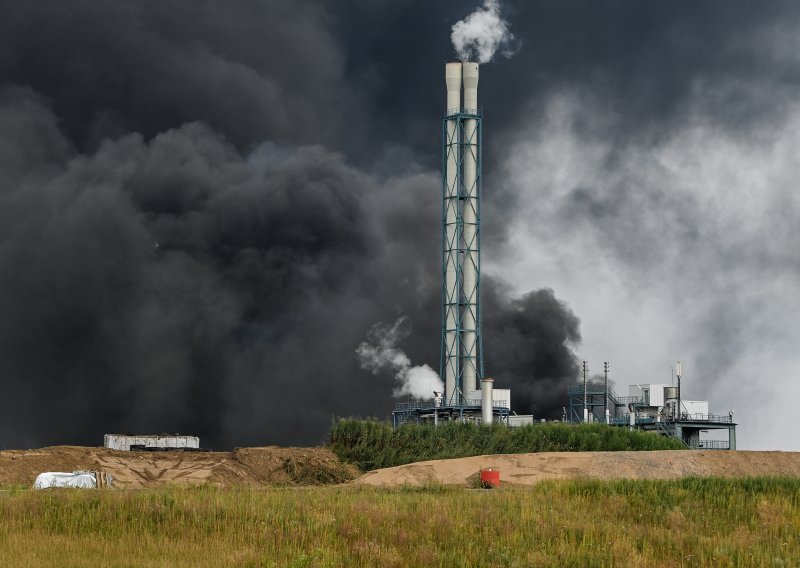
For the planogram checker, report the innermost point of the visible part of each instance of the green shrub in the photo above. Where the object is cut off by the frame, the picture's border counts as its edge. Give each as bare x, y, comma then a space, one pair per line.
373, 444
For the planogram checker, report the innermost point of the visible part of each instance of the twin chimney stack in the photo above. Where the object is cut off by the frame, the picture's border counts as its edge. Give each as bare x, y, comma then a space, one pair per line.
462, 351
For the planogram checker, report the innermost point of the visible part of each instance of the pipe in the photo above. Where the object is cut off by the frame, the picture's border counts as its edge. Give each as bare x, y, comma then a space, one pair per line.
487, 404
453, 76
471, 261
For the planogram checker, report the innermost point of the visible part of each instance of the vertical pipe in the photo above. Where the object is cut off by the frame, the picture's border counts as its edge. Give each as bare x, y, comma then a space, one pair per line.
451, 347
678, 372
487, 404
471, 258
585, 394
605, 402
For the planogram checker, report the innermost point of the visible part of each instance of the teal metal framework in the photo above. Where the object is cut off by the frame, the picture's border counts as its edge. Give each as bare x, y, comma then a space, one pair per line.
433, 411
459, 142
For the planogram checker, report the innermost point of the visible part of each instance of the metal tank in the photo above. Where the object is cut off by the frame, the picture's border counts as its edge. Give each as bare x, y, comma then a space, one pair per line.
671, 401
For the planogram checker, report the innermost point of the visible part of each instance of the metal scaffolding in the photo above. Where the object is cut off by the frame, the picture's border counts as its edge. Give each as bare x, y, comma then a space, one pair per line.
462, 342
636, 413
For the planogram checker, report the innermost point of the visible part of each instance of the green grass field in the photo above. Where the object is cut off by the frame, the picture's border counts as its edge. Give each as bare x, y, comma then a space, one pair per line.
692, 522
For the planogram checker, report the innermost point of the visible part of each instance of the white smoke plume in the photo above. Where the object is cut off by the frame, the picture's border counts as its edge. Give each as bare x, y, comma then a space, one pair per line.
482, 33
381, 354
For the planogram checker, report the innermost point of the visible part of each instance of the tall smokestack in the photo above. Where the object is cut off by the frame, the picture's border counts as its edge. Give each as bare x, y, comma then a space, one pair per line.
471, 245
451, 234
461, 367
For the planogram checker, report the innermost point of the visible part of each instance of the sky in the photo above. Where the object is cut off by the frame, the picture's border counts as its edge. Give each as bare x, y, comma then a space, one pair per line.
207, 207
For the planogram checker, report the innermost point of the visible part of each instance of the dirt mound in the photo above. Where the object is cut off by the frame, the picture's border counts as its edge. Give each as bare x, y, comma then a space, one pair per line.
526, 469
317, 466
243, 466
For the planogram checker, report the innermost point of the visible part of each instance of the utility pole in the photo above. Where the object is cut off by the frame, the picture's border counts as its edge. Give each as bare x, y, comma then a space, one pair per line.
678, 373
585, 393
605, 400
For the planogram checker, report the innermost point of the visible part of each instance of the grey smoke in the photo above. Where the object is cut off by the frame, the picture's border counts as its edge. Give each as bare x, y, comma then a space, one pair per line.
482, 33
380, 353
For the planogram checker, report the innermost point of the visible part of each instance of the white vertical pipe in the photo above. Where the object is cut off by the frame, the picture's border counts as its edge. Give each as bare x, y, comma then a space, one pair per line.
451, 357
487, 405
470, 216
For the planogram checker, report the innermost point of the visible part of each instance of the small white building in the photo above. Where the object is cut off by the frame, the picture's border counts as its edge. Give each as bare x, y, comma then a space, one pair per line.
650, 394
694, 409
501, 398
127, 442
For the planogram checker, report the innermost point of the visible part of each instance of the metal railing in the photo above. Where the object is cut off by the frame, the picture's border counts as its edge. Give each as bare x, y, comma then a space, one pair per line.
712, 445
597, 390
468, 112
720, 418
433, 403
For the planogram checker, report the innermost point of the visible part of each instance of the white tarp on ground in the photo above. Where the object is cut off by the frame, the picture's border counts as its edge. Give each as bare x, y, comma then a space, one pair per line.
76, 479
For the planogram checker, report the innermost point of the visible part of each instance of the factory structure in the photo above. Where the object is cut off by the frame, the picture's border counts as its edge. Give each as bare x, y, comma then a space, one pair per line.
469, 395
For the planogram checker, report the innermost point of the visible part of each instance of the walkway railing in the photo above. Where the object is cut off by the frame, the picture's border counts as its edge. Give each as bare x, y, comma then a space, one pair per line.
712, 445
434, 403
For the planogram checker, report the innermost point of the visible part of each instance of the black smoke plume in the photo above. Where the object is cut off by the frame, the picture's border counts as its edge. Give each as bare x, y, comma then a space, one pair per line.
178, 284
204, 207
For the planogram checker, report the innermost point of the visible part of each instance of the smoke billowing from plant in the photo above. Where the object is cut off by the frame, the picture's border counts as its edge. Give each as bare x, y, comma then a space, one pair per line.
203, 208
481, 34
380, 354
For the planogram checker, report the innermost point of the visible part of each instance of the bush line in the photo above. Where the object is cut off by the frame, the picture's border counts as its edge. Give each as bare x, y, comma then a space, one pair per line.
373, 444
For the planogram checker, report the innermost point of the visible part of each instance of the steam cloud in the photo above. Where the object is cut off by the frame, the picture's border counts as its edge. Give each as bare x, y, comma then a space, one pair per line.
380, 353
482, 33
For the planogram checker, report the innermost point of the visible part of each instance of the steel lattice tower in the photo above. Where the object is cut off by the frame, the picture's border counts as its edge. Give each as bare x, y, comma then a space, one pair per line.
461, 365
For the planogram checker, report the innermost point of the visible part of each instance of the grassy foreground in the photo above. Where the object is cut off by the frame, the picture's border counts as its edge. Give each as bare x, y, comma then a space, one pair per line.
691, 522
372, 444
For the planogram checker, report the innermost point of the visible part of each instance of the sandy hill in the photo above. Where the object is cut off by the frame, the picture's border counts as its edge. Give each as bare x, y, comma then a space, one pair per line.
526, 469
243, 466
308, 466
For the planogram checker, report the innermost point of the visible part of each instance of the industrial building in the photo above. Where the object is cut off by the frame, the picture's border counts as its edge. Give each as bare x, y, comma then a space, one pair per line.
652, 407
470, 396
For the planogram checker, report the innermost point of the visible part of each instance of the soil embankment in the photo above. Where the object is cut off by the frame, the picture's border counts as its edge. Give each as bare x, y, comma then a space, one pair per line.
243, 466
320, 466
527, 469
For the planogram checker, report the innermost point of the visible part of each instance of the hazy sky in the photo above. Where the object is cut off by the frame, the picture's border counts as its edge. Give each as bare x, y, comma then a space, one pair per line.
206, 206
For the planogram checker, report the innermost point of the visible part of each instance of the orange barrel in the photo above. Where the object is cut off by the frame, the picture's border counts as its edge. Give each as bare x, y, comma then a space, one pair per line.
490, 478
